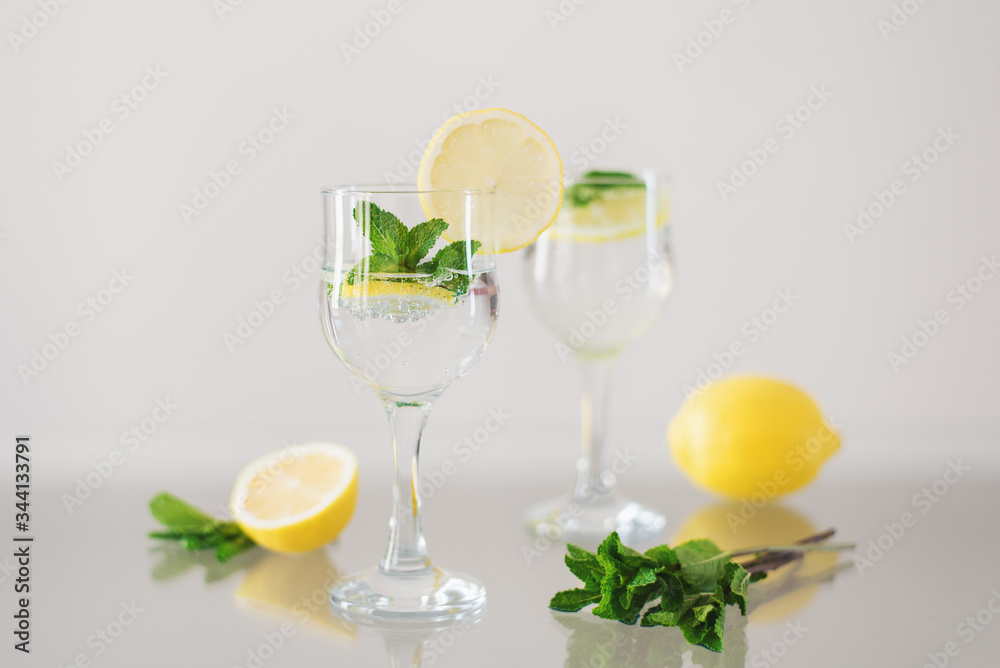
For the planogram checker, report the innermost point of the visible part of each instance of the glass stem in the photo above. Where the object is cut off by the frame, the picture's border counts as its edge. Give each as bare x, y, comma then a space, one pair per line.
407, 551
592, 481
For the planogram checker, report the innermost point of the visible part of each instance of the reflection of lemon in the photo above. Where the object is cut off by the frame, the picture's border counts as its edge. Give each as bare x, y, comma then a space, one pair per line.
750, 436
734, 526
295, 586
500, 151
297, 499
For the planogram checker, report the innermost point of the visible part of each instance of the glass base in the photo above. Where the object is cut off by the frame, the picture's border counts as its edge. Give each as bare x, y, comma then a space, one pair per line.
569, 519
432, 594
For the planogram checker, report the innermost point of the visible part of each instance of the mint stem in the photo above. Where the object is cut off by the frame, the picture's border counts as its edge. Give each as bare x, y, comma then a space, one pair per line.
821, 547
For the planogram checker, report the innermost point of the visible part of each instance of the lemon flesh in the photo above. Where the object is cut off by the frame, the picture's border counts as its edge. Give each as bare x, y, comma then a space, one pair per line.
297, 499
749, 435
619, 213
499, 151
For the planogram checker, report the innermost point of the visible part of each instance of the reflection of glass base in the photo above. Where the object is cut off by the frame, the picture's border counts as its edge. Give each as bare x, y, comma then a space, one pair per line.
568, 519
433, 594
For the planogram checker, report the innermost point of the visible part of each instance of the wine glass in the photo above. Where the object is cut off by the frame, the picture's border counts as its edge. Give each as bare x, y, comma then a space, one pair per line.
597, 279
407, 314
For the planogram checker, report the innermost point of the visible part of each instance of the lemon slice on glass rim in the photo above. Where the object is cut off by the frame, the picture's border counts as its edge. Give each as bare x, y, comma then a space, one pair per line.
503, 152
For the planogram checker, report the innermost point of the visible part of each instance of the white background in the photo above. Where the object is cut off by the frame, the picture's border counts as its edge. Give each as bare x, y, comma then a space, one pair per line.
355, 119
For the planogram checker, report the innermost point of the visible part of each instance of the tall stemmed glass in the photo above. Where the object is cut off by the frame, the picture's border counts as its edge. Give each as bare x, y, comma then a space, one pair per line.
597, 279
408, 315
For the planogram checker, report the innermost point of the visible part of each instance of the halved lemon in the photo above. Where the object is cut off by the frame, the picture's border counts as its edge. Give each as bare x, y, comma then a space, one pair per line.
298, 498
498, 150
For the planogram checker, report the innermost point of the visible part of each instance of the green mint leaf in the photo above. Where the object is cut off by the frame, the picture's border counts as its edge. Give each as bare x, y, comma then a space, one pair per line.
614, 548
454, 257
195, 530
420, 240
701, 618
694, 582
702, 564
643, 586
582, 194
451, 259
228, 549
628, 583
388, 236
584, 565
663, 555
171, 512
735, 580
372, 264
572, 600
703, 624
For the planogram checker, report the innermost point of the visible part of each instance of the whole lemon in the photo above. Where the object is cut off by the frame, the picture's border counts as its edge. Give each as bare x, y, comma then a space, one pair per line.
749, 436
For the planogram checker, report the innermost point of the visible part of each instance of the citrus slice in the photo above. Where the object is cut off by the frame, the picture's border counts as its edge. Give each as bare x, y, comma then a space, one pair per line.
615, 213
500, 151
399, 300
298, 498
407, 290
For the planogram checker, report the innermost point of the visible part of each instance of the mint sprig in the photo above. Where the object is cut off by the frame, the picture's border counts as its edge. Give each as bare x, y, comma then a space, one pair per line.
694, 582
582, 194
397, 249
196, 530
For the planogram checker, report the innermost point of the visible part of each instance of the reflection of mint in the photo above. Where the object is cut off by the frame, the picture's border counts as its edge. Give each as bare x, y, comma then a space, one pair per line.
694, 583
397, 249
195, 530
582, 194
